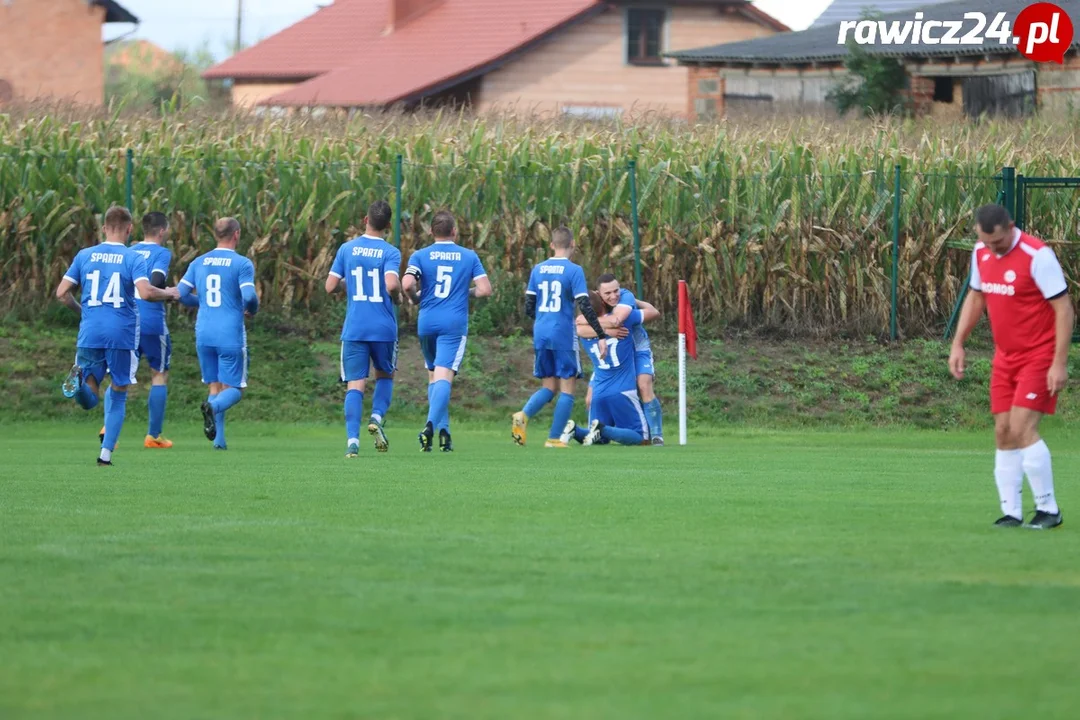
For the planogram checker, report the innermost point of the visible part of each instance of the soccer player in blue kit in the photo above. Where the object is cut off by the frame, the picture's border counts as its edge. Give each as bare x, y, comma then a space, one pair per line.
224, 282
616, 413
108, 274
555, 286
445, 272
369, 267
155, 344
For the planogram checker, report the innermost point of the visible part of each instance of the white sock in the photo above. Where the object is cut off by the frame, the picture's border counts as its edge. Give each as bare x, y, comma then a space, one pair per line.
376, 418
106, 455
1009, 475
353, 441
1040, 476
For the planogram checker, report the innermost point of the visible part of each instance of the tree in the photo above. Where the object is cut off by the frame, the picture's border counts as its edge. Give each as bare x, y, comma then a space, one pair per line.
875, 84
142, 76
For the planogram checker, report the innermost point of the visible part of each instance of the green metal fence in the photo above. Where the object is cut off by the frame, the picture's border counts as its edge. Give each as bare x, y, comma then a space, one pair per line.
884, 250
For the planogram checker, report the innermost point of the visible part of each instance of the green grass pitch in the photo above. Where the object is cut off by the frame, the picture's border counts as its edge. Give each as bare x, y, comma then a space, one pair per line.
748, 575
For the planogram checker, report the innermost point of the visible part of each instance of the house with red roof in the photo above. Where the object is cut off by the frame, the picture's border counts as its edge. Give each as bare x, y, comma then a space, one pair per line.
574, 57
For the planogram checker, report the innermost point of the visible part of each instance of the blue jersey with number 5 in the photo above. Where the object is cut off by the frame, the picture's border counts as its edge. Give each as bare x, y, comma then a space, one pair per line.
446, 271
363, 264
556, 283
218, 278
107, 274
615, 373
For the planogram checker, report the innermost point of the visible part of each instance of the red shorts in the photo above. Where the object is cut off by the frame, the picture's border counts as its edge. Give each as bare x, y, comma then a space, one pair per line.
1020, 381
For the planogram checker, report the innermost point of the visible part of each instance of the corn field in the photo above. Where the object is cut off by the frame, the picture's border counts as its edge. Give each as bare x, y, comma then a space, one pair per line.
778, 225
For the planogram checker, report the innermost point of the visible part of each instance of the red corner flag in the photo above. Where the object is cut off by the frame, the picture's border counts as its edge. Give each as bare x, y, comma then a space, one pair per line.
686, 320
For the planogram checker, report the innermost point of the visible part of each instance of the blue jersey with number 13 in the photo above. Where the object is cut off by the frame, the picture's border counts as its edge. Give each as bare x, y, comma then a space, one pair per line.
556, 283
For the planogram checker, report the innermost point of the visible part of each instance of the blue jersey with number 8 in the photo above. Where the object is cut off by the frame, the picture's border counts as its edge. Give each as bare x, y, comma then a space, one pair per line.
614, 373
556, 283
107, 274
446, 272
218, 278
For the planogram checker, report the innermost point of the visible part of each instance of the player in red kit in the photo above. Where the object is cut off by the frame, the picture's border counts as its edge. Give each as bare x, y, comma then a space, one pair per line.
1017, 279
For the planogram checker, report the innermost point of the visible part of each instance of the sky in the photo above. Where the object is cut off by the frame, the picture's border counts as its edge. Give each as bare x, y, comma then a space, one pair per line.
190, 24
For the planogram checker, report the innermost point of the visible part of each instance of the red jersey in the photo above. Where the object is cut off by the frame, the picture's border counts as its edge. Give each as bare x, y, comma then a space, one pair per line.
1017, 287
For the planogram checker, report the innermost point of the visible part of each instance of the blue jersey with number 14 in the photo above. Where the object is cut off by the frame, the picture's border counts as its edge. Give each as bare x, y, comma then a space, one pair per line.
218, 277
446, 272
556, 283
615, 373
363, 264
107, 274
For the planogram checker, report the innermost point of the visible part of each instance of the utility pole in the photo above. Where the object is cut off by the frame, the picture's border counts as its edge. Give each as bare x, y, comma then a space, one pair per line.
239, 24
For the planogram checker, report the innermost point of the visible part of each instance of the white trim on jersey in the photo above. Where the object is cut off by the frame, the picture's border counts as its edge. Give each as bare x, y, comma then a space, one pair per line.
243, 378
141, 278
395, 273
341, 363
1047, 273
975, 282
188, 283
632, 394
71, 280
530, 292
334, 274
460, 353
477, 277
581, 295
164, 341
244, 285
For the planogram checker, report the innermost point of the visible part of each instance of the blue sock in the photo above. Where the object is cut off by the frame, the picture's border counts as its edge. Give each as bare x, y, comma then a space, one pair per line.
114, 417
155, 403
439, 413
580, 433
537, 402
354, 408
380, 400
654, 417
226, 399
219, 421
621, 435
563, 409
86, 398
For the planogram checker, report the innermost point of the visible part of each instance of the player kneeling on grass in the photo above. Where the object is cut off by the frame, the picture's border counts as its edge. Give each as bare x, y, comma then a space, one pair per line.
224, 282
615, 413
108, 275
1017, 279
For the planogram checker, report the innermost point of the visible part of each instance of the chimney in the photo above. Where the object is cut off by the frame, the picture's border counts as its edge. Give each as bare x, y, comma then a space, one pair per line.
404, 11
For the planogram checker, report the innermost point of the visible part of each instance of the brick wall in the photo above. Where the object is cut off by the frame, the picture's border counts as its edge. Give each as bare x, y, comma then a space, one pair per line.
921, 94
52, 49
706, 93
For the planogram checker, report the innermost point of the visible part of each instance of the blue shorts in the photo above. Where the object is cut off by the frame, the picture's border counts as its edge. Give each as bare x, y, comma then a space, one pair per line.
561, 364
156, 350
357, 357
228, 366
119, 364
444, 351
621, 411
643, 362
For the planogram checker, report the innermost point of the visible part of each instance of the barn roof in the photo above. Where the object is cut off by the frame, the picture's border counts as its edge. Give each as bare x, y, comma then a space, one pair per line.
820, 44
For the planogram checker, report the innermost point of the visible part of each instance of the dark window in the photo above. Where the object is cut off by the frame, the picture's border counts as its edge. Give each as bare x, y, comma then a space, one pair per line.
943, 89
644, 28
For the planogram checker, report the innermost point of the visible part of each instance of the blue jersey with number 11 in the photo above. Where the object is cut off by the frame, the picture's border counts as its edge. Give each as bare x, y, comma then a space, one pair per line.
363, 264
446, 272
107, 274
556, 283
615, 373
218, 277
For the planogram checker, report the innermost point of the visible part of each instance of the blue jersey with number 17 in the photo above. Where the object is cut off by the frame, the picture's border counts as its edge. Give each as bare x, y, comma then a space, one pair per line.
615, 373
363, 264
556, 283
217, 277
107, 274
446, 271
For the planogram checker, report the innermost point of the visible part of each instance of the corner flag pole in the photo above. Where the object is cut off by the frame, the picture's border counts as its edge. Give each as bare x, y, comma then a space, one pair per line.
687, 344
